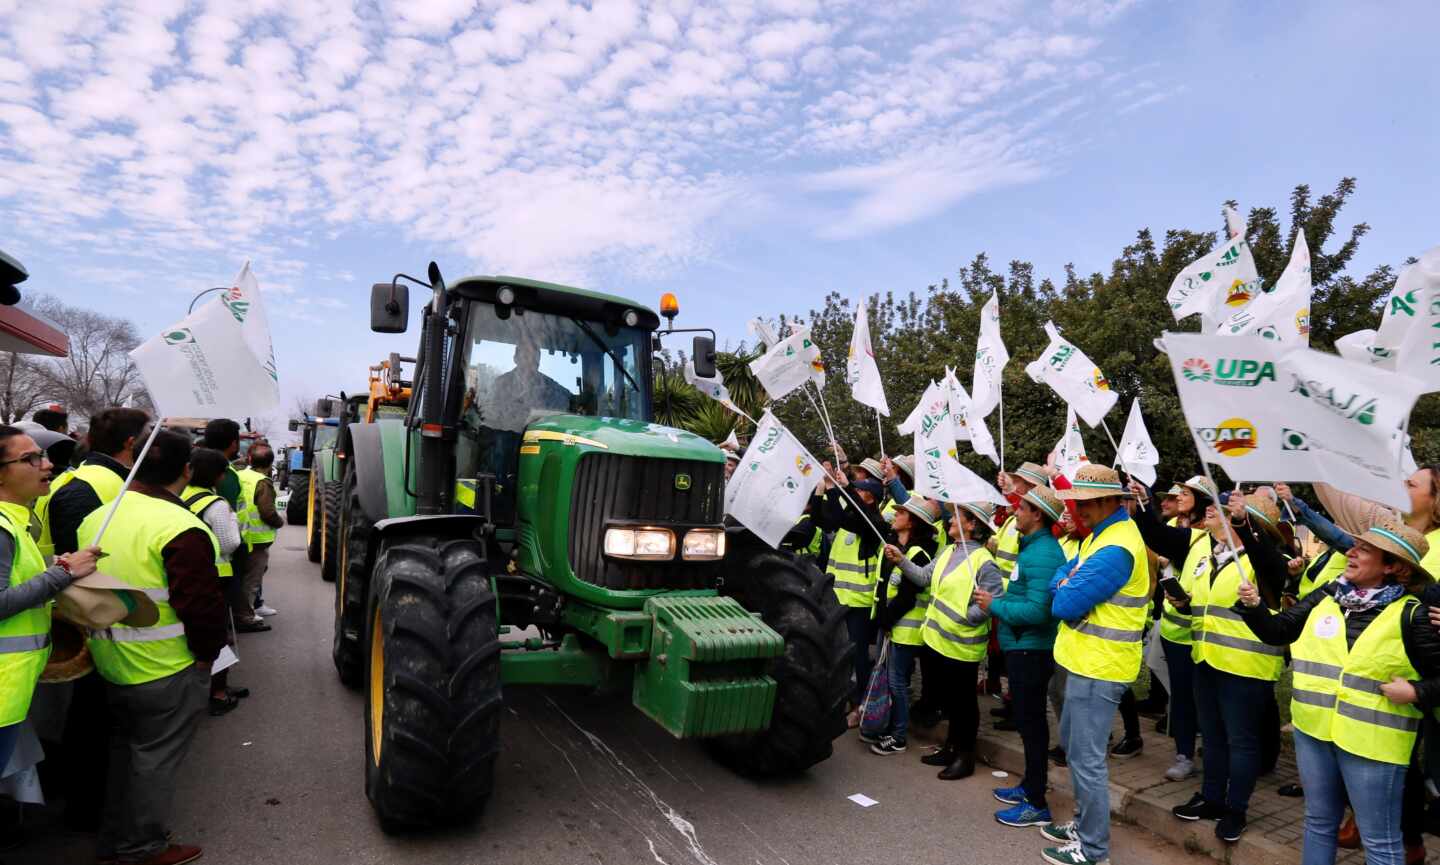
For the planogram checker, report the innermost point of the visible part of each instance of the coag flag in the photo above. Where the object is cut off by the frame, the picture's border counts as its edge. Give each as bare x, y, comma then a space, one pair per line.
1137, 453
1074, 377
1219, 283
1070, 450
990, 359
1408, 340
788, 364
861, 371
938, 472
712, 387
969, 423
1265, 411
1282, 314
771, 486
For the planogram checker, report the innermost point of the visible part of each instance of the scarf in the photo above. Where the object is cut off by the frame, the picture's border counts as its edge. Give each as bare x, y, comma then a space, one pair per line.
1356, 600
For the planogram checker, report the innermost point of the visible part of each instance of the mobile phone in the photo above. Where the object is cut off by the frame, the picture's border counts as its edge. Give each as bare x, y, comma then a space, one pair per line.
1172, 587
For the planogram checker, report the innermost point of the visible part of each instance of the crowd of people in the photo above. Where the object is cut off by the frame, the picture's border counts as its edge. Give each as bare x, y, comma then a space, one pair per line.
1062, 591
115, 693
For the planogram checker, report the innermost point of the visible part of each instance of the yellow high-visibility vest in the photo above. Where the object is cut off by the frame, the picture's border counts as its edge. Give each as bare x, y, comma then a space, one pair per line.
1174, 625
855, 578
197, 499
952, 583
1105, 643
25, 636
1220, 636
906, 631
252, 528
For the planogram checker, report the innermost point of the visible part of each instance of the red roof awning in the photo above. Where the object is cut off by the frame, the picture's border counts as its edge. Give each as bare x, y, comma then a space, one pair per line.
25, 333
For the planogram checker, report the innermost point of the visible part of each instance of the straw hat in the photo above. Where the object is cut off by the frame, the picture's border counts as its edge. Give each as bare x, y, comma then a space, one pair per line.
983, 511
1265, 512
924, 509
1401, 540
69, 658
1093, 482
1175, 490
1031, 474
100, 600
872, 465
906, 464
1046, 500
1201, 486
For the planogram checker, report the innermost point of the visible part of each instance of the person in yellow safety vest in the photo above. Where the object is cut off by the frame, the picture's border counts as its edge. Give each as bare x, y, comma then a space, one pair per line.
898, 472
1015, 485
1367, 672
1355, 515
902, 613
59, 449
158, 677
1185, 547
27, 586
854, 562
258, 523
1102, 599
956, 628
201, 498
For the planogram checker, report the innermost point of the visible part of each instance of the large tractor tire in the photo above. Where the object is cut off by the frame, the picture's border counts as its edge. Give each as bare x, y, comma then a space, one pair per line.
432, 719
812, 676
298, 508
312, 519
348, 648
330, 501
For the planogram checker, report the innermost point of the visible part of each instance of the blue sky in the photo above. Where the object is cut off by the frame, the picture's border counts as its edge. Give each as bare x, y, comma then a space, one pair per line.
749, 156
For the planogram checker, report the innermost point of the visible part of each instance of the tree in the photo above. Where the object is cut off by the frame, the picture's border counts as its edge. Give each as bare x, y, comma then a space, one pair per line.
98, 372
22, 387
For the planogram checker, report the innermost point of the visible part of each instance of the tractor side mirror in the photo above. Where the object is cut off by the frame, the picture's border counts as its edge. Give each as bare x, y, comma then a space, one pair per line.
294, 425
324, 407
389, 307
703, 350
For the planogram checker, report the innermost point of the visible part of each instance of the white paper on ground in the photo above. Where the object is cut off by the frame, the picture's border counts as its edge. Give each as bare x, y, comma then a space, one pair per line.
999, 774
862, 800
225, 660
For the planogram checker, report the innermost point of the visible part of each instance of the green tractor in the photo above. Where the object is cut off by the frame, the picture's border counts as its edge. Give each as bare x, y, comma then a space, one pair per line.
315, 433
526, 523
327, 477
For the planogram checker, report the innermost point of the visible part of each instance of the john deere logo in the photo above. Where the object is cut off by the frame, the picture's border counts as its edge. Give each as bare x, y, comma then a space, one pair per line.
1243, 372
178, 336
1196, 369
682, 482
1232, 438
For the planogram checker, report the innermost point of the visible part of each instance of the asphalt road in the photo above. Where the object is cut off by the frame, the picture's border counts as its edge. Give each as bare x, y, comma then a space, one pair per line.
581, 780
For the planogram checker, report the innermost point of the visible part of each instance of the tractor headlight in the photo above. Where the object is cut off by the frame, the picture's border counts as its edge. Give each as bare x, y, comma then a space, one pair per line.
704, 544
644, 544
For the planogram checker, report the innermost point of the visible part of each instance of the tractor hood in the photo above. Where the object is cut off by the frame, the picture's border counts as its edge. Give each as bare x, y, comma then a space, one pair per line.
621, 436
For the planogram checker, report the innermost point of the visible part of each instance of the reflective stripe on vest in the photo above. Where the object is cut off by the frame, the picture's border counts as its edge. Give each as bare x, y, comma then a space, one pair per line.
1219, 633
952, 583
1007, 546
1336, 695
1175, 626
25, 636
252, 527
198, 500
1323, 570
103, 481
906, 631
141, 528
1105, 644
855, 578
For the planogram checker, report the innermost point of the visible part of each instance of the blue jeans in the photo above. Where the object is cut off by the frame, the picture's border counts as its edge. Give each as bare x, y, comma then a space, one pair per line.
902, 663
862, 634
1182, 697
1327, 773
1231, 710
1090, 707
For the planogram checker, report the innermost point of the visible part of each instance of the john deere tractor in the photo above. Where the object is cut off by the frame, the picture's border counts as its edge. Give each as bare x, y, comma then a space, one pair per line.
526, 523
327, 476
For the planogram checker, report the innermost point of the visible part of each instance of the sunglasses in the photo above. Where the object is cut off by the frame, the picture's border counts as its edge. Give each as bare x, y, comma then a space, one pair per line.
35, 459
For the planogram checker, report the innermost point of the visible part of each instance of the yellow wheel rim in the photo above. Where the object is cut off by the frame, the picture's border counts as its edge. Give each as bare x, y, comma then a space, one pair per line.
310, 511
377, 687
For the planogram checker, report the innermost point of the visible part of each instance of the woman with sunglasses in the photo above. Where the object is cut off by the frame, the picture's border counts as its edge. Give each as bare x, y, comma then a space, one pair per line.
26, 585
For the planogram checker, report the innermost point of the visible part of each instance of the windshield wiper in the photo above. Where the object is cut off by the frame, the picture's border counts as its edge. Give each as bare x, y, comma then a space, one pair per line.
620, 365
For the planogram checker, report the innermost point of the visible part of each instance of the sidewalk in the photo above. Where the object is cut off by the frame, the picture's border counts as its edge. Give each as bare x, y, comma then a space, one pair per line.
1141, 796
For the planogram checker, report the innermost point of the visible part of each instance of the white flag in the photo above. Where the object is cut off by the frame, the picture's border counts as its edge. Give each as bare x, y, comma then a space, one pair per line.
1219, 283
771, 486
731, 442
1137, 453
243, 301
1265, 411
1074, 377
1069, 452
1408, 340
205, 367
938, 472
969, 425
861, 371
763, 332
990, 359
712, 387
1282, 314
789, 364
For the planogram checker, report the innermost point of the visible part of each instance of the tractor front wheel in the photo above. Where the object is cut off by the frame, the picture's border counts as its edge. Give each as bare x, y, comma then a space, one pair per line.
432, 719
330, 500
299, 505
812, 677
348, 648
312, 520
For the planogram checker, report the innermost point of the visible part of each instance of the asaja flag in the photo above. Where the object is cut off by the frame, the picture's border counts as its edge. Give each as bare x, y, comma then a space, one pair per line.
1219, 283
1265, 411
1282, 314
969, 424
1408, 340
1137, 452
204, 367
788, 364
1069, 453
861, 371
1073, 377
990, 360
243, 301
773, 482
712, 387
938, 472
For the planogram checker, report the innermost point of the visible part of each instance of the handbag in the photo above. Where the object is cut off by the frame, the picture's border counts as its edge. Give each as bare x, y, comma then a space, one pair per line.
875, 710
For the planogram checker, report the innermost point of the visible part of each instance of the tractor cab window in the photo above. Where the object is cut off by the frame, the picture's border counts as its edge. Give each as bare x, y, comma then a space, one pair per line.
325, 436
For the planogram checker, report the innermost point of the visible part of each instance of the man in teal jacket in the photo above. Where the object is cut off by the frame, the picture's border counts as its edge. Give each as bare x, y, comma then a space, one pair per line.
1027, 637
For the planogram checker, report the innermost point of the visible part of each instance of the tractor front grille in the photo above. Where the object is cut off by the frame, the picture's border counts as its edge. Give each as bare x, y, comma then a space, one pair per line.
612, 488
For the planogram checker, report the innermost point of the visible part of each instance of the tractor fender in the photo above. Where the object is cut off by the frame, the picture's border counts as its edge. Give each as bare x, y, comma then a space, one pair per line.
367, 454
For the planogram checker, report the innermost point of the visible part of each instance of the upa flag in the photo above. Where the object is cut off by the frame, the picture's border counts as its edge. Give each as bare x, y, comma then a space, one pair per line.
1137, 453
1266, 411
1072, 375
1282, 314
204, 366
969, 424
1408, 340
861, 371
1219, 283
712, 387
938, 472
990, 359
788, 364
773, 482
1069, 453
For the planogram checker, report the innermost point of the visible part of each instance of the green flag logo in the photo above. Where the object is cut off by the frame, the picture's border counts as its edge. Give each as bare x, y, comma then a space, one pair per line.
179, 336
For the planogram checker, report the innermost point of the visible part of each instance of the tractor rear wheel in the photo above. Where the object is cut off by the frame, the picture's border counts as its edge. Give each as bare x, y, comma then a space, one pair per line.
812, 677
312, 519
298, 506
348, 648
432, 719
330, 500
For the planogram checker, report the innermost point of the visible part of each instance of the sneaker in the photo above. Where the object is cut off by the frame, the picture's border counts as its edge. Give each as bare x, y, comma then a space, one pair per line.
1070, 854
1060, 833
265, 610
1231, 826
1010, 795
869, 739
1023, 814
1198, 809
887, 746
1127, 748
1182, 768
1057, 756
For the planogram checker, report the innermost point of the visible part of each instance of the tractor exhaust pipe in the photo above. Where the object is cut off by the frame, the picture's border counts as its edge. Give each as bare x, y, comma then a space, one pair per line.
431, 491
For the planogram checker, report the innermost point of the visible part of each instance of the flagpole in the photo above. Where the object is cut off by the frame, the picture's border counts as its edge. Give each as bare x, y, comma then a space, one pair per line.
1106, 424
1000, 389
834, 447
880, 432
129, 478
